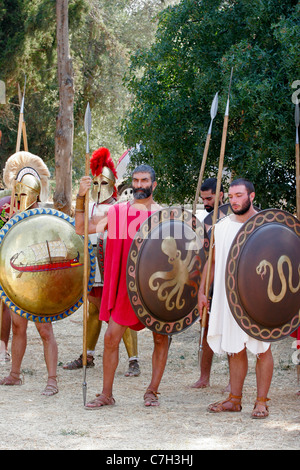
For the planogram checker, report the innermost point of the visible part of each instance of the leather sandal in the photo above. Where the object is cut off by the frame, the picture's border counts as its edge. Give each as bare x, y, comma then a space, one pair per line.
51, 389
133, 369
78, 363
218, 407
151, 398
12, 379
260, 414
100, 401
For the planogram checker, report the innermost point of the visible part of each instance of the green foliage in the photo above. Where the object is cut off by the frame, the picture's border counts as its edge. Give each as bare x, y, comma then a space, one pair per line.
174, 81
102, 34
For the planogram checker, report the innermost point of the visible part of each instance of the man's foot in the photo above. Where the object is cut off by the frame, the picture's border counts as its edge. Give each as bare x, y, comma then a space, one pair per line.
100, 401
151, 398
51, 387
260, 410
201, 383
12, 379
78, 364
133, 369
232, 403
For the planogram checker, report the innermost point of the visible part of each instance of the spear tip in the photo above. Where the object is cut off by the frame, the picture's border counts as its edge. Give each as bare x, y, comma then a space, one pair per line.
88, 119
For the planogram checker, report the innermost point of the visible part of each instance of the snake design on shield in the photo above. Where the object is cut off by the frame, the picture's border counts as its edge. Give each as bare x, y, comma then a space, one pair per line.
177, 278
261, 270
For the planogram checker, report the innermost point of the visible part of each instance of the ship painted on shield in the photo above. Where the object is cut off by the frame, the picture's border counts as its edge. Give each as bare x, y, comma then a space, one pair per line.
47, 256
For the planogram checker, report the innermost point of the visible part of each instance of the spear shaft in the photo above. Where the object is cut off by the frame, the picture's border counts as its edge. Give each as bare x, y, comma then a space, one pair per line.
297, 160
214, 218
87, 126
297, 186
22, 125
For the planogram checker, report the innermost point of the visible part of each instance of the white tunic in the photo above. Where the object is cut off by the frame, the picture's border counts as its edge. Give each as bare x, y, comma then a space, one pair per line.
224, 333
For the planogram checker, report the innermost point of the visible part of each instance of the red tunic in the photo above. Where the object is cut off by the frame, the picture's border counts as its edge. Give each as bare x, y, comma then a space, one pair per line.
123, 223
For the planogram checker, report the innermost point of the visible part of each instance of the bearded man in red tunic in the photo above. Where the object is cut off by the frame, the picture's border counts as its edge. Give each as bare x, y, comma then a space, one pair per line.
122, 222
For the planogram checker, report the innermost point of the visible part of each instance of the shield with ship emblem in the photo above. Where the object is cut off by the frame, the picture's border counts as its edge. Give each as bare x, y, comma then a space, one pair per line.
164, 269
41, 265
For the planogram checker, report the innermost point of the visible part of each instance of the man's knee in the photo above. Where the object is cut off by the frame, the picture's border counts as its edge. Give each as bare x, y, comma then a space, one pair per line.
45, 332
111, 340
160, 341
19, 326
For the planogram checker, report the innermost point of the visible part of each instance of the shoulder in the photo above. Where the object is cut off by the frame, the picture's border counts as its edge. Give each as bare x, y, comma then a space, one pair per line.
223, 222
118, 207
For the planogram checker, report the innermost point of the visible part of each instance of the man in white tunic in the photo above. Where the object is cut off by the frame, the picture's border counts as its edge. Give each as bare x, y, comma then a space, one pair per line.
224, 333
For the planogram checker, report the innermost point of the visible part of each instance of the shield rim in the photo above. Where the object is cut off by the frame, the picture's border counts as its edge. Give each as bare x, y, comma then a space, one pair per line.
142, 312
10, 304
242, 317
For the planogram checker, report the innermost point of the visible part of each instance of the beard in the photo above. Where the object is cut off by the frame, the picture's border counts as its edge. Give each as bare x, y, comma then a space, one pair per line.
142, 193
245, 207
208, 208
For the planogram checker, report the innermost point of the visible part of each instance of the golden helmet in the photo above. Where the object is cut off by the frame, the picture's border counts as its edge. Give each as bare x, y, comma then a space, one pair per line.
28, 177
104, 176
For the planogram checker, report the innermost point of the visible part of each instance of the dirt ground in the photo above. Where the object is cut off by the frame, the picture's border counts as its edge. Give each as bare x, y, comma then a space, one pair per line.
30, 421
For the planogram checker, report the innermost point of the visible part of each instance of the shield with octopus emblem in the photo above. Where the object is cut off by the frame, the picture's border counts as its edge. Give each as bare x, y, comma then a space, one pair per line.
263, 275
164, 270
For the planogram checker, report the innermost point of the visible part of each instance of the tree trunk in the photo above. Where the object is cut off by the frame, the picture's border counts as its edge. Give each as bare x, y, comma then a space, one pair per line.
65, 121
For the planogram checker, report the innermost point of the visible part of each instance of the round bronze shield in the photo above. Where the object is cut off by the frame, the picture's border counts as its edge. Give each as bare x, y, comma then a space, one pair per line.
263, 275
164, 270
41, 265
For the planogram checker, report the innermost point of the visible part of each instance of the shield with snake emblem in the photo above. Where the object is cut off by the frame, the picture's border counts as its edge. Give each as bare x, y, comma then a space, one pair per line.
164, 270
263, 275
41, 265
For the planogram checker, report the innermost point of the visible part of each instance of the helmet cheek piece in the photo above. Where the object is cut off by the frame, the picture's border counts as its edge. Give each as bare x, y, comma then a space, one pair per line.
27, 191
103, 186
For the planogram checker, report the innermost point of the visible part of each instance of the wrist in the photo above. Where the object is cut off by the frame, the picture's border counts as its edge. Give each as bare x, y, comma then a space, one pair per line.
79, 207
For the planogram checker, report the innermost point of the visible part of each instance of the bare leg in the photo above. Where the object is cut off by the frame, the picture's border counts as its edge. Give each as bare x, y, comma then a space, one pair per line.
51, 356
5, 329
205, 366
112, 338
264, 373
159, 360
238, 366
18, 347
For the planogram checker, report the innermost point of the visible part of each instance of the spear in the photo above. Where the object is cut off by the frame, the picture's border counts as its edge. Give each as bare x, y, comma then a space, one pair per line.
214, 218
22, 126
87, 128
213, 112
297, 186
297, 160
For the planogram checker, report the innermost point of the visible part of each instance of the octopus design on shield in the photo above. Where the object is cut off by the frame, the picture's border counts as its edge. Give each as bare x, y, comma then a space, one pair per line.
181, 274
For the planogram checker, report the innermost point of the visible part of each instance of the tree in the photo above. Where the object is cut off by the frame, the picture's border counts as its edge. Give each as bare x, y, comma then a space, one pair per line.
174, 81
65, 119
102, 34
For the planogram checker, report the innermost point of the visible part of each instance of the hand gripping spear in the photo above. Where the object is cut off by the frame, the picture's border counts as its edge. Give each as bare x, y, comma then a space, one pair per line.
213, 112
87, 128
214, 218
